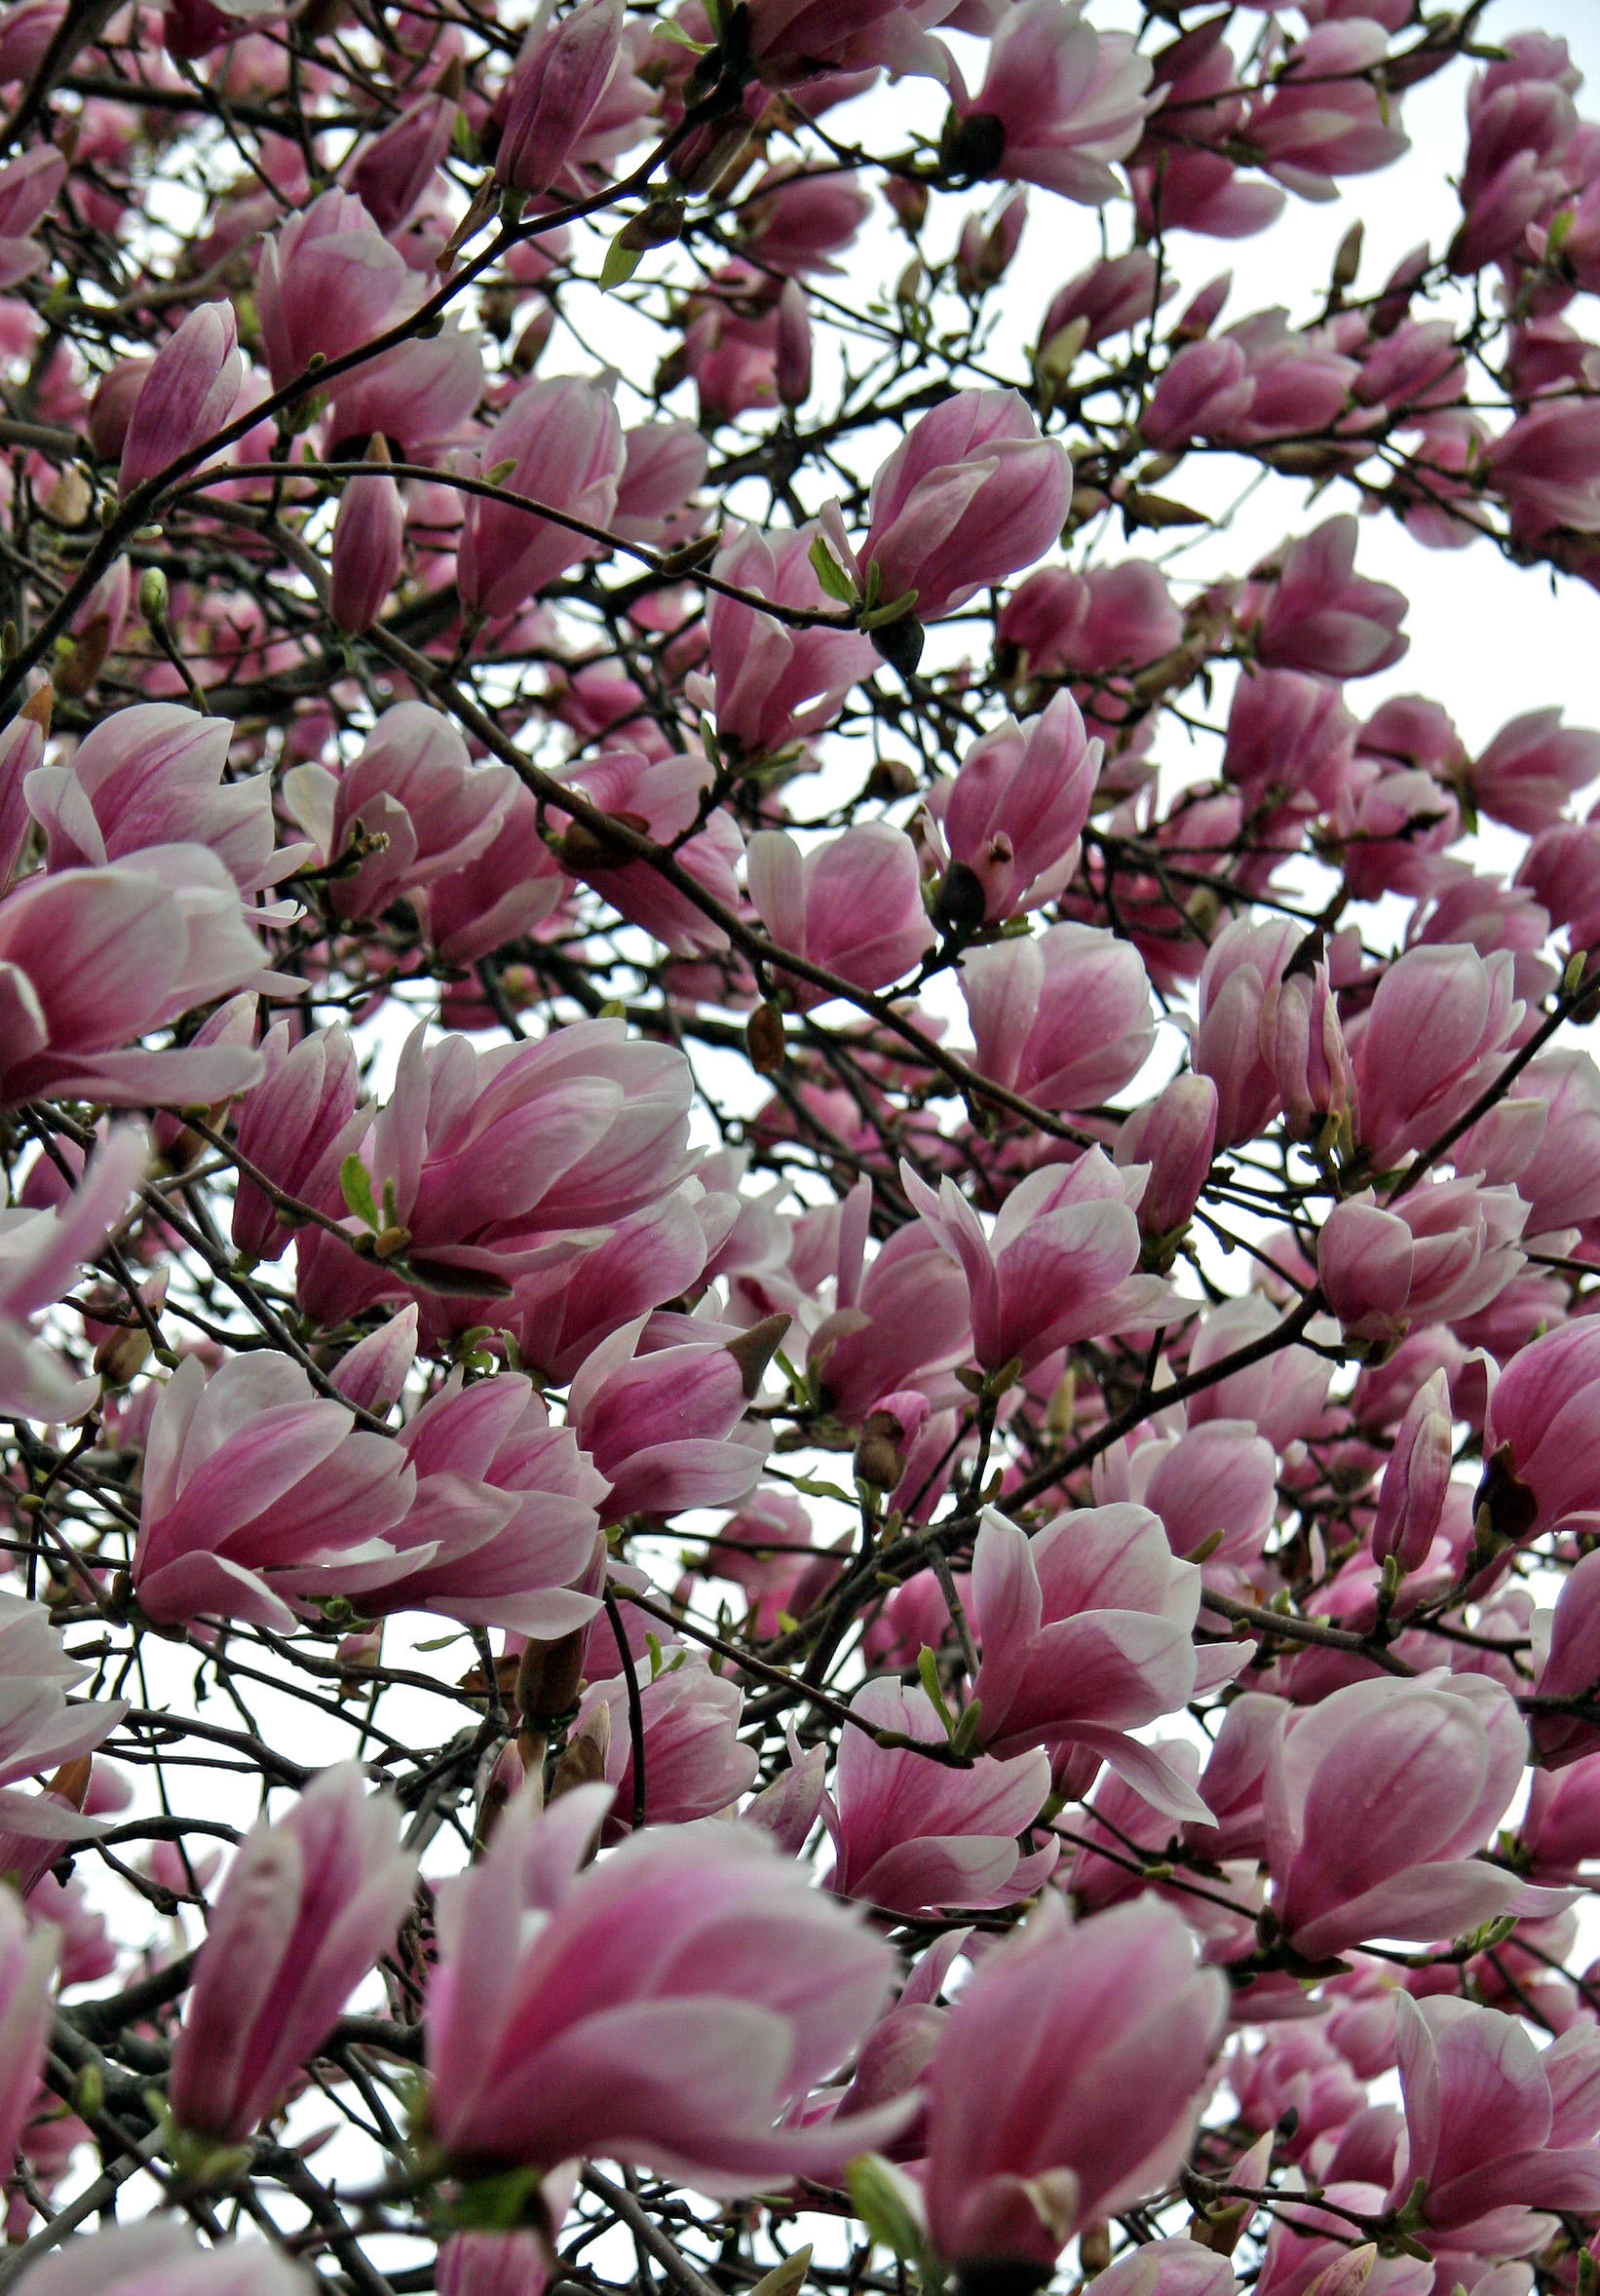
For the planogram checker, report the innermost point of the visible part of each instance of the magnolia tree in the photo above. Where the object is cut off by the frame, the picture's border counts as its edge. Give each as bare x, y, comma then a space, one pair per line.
802, 1438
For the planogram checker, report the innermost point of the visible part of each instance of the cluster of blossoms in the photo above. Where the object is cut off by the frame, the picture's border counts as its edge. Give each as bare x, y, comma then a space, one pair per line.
800, 1458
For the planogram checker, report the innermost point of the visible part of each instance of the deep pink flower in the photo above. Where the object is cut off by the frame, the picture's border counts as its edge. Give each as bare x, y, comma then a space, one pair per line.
776, 684
662, 798
368, 550
1411, 1496
1085, 1631
257, 1494
914, 1838
310, 1907
39, 1254
1058, 1264
1322, 114
665, 2008
188, 393
852, 905
392, 173
92, 959
298, 1126
564, 443
1323, 617
666, 1429
1066, 98
504, 1522
1174, 1135
327, 282
973, 494
1378, 1800
694, 1763
1438, 1254
1014, 813
1067, 2080
555, 90
1064, 1018
153, 775
1532, 768
1494, 2126
1439, 1014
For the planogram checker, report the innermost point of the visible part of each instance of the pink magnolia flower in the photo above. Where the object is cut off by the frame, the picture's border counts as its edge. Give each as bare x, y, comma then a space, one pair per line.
413, 785
792, 41
187, 394
1175, 1135
1560, 1830
693, 1764
1214, 1485
152, 775
505, 1519
296, 1127
1494, 2126
555, 91
852, 905
27, 1968
1546, 466
1531, 769
28, 189
1086, 625
1111, 297
39, 1254
1377, 1801
1201, 392
1014, 813
1298, 2072
1085, 1634
902, 1317
39, 1730
327, 282
914, 1838
666, 2007
1571, 1661
774, 684
416, 396
1242, 966
1439, 1014
664, 466
310, 1907
1322, 115
1066, 2083
1058, 1264
794, 220
493, 2264
158, 2257
1323, 617
1520, 123
1288, 735
1066, 99
1411, 1496
664, 797
393, 172
1544, 1416
502, 895
972, 493
92, 959
494, 1159
257, 1494
368, 550
1064, 1018
665, 1428
1304, 1046
1439, 1254
564, 443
